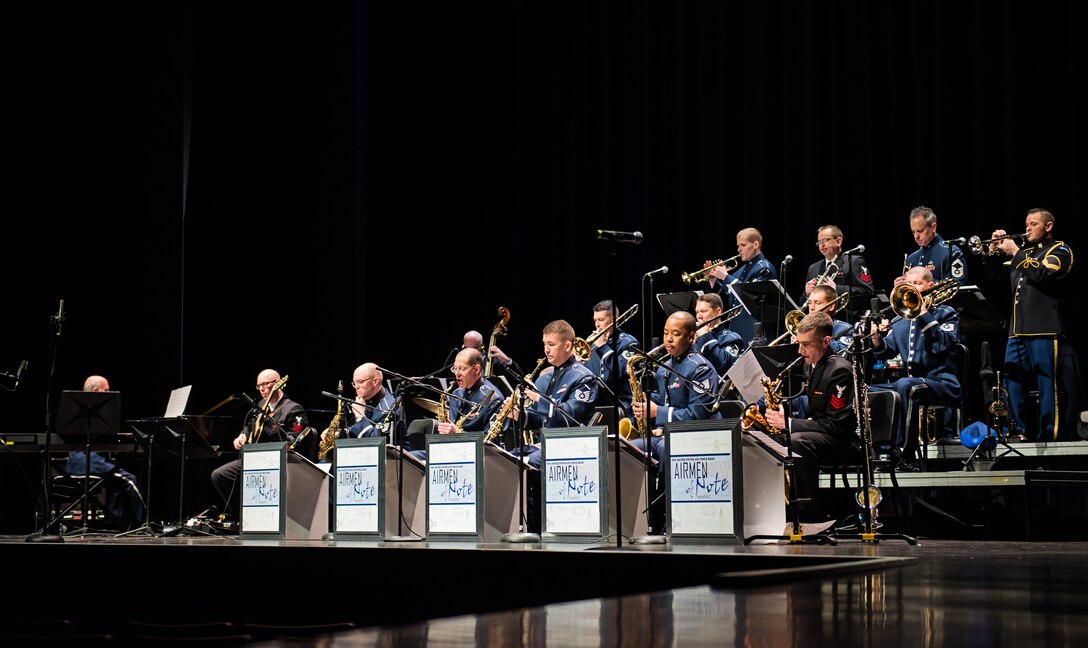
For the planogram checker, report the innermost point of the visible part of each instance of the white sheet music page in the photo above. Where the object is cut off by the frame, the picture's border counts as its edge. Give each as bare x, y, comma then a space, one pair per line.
179, 398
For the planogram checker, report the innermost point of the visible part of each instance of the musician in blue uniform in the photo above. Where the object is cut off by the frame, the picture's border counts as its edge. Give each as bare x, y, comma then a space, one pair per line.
610, 352
123, 499
752, 266
940, 257
1039, 354
686, 389
475, 399
844, 272
927, 345
286, 419
841, 332
827, 433
715, 341
381, 413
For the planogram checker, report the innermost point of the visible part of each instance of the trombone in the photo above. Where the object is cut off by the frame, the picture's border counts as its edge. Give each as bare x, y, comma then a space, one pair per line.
907, 302
794, 317
831, 270
724, 317
700, 275
979, 246
582, 347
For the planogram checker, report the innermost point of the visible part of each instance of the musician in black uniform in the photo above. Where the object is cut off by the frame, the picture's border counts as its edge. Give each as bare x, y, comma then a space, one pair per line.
612, 347
123, 499
828, 435
286, 420
940, 257
1039, 354
844, 273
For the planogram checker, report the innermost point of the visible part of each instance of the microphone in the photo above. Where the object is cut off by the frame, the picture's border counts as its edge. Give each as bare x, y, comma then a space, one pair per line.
789, 257
858, 250
19, 374
338, 397
661, 270
620, 237
957, 241
301, 435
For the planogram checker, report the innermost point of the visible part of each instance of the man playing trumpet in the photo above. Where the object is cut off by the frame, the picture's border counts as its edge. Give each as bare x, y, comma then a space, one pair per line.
1038, 354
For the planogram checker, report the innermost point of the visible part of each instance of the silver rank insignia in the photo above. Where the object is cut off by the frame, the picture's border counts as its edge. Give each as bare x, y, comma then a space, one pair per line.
948, 327
957, 268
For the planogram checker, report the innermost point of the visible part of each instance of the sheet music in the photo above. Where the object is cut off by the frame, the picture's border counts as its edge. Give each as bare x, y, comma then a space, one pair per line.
764, 441
179, 398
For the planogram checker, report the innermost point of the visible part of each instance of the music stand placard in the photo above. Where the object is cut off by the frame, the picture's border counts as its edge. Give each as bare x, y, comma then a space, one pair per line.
455, 477
705, 484
264, 482
359, 471
574, 479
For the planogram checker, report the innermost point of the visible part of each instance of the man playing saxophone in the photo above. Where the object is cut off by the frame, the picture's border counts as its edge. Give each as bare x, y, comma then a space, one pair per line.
827, 434
686, 389
380, 412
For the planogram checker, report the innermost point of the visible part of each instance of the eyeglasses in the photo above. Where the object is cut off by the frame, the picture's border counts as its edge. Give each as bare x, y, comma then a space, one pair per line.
824, 241
268, 383
363, 382
459, 370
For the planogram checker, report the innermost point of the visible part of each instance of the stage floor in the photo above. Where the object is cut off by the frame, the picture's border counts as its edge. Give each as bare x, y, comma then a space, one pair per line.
888, 592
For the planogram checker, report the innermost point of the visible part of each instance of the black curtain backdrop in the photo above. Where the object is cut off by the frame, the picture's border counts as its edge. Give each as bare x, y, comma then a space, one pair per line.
217, 188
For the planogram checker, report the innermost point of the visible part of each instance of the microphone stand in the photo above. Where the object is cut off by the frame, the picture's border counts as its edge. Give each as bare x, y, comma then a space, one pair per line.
644, 378
522, 535
46, 534
390, 414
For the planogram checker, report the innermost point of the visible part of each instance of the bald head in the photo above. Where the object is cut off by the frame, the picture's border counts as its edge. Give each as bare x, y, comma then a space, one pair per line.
96, 384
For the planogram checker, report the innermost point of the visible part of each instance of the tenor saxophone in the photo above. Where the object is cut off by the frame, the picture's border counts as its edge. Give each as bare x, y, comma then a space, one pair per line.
752, 418
328, 442
637, 396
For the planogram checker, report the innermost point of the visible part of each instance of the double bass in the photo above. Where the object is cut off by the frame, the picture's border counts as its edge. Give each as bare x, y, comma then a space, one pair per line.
498, 331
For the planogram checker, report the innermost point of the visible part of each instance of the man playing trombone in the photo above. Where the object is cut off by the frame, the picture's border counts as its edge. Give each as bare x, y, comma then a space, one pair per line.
610, 352
714, 340
824, 299
926, 341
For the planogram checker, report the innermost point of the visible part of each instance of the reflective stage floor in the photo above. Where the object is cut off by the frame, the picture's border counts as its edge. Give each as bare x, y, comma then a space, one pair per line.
147, 591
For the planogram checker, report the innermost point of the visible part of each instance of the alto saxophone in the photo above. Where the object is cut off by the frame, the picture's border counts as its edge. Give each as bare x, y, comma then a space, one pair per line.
752, 417
443, 413
499, 419
328, 442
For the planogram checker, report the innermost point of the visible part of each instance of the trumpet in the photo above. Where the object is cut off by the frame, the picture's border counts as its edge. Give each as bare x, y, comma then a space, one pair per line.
980, 246
582, 348
699, 276
794, 317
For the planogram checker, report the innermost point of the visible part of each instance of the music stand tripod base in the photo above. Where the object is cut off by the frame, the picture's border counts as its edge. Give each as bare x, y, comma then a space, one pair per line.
649, 540
523, 537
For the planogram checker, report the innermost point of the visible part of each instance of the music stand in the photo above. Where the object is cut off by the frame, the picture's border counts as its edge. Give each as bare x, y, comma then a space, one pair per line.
86, 416
757, 362
185, 439
765, 302
978, 315
678, 301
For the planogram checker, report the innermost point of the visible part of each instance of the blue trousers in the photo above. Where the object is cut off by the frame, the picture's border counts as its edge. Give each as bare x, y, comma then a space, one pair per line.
1031, 363
939, 393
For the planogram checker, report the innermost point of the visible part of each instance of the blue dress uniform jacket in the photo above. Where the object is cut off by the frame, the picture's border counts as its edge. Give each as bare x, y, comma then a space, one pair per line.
942, 258
481, 392
602, 358
927, 346
721, 347
842, 334
573, 387
676, 400
379, 417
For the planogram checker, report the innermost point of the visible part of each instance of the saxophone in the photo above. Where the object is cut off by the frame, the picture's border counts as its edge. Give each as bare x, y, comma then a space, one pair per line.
443, 412
637, 396
333, 433
752, 418
499, 419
